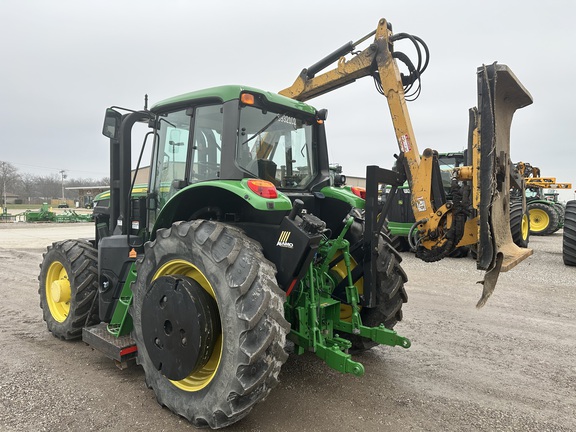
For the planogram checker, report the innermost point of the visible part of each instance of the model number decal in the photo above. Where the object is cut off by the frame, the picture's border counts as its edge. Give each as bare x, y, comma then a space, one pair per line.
287, 119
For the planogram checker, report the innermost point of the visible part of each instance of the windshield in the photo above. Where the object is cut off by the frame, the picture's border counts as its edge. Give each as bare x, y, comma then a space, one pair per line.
277, 147
447, 163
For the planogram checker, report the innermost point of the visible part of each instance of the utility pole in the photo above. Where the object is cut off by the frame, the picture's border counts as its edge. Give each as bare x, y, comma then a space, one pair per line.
63, 174
4, 209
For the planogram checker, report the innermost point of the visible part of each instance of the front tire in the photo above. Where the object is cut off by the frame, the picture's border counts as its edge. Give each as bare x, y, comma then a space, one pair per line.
244, 363
68, 287
569, 235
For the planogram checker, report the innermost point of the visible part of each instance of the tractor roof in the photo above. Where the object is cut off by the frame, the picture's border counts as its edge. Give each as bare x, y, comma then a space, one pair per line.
230, 92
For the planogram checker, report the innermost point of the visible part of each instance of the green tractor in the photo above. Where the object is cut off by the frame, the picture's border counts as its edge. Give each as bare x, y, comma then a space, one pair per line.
546, 212
241, 242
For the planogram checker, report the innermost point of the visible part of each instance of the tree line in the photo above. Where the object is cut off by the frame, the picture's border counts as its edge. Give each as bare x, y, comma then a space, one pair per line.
36, 189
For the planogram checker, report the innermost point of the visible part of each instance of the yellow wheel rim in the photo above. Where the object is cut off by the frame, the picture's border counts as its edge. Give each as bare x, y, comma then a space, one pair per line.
539, 220
201, 378
339, 272
58, 291
525, 227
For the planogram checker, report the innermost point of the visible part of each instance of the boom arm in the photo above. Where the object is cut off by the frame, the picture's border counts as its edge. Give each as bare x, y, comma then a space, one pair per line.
479, 212
377, 60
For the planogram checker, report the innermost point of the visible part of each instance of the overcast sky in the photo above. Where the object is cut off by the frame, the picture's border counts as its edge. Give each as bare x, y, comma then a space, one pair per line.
64, 62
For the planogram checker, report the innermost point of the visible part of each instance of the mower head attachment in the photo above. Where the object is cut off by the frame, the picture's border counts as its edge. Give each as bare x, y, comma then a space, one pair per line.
500, 94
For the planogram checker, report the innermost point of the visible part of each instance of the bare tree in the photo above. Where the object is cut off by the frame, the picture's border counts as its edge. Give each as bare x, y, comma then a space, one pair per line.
27, 188
8, 179
49, 186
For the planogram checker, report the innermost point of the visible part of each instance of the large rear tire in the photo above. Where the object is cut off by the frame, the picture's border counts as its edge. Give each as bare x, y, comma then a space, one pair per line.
388, 289
543, 219
68, 287
400, 243
519, 225
243, 365
559, 208
569, 236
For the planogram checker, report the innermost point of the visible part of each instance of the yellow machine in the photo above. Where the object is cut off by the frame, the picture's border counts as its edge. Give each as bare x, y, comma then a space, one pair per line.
546, 183
479, 213
546, 213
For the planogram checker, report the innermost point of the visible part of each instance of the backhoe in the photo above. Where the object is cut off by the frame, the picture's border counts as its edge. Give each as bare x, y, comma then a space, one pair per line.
241, 242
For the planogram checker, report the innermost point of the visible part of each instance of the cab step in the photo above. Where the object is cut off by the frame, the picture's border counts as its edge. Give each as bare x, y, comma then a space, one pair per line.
121, 349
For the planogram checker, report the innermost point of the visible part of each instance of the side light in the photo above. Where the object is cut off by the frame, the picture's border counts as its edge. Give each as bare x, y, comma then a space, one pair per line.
247, 98
263, 188
359, 191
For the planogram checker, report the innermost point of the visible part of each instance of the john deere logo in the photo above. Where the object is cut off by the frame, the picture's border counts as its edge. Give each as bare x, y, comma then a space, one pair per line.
283, 240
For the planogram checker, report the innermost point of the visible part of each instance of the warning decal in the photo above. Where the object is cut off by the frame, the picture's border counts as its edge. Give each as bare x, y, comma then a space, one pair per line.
405, 143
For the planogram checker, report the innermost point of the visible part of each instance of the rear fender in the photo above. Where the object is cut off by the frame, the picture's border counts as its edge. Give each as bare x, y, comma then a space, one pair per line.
227, 200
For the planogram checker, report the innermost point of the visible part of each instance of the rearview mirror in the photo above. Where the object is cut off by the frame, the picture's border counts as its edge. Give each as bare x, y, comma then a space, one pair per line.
111, 123
322, 114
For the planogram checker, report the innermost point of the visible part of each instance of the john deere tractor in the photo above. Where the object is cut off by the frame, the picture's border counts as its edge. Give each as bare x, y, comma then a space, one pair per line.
241, 243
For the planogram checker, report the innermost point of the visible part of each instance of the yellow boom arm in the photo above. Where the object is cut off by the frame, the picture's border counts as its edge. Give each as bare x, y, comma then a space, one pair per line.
480, 215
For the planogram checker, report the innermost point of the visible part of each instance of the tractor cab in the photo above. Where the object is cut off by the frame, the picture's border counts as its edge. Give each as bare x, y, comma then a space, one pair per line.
258, 139
233, 154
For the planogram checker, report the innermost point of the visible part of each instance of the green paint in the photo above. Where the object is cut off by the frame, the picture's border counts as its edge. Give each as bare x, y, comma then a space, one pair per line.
239, 188
343, 194
315, 314
400, 228
121, 322
231, 92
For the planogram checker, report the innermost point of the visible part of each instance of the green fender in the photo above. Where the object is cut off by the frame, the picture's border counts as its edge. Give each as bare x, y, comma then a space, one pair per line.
343, 194
228, 194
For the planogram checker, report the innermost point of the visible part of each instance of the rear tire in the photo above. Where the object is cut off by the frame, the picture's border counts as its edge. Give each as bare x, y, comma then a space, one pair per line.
68, 287
569, 236
559, 208
244, 365
389, 291
400, 243
519, 225
543, 219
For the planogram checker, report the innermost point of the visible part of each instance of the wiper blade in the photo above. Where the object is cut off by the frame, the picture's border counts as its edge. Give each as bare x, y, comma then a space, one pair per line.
270, 123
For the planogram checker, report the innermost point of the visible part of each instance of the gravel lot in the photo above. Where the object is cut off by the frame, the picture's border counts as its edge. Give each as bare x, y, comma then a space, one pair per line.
508, 367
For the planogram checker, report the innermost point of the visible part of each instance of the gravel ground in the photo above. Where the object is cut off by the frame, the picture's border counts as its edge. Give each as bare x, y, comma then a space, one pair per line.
507, 367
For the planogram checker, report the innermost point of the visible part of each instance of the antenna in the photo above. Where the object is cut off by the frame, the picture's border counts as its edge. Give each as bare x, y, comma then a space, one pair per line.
145, 102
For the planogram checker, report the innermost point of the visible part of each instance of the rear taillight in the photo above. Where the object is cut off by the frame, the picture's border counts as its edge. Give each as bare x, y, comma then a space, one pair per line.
359, 191
263, 188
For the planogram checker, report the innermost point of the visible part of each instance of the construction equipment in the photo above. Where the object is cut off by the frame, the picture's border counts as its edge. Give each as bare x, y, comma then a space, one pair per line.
546, 213
401, 223
241, 241
569, 234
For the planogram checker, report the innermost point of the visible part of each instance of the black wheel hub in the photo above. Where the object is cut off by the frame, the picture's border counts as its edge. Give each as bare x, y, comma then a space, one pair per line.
180, 326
